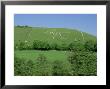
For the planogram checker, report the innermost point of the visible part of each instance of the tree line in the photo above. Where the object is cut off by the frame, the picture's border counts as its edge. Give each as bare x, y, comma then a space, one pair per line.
89, 45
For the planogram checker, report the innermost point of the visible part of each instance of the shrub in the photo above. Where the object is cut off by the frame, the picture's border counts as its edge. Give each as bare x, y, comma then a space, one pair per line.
42, 66
29, 68
45, 46
76, 46
91, 45
64, 46
95, 46
83, 63
54, 46
19, 65
72, 58
21, 45
61, 68
40, 45
16, 46
23, 67
28, 47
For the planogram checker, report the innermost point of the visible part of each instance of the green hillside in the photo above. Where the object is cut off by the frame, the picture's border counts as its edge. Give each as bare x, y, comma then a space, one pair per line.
42, 51
51, 35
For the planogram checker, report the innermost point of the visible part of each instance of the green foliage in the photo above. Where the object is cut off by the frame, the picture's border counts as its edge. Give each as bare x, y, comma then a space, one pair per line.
43, 45
19, 26
78, 64
40, 45
43, 67
20, 67
83, 63
76, 46
40, 67
41, 58
36, 44
22, 46
64, 46
54, 46
16, 46
91, 45
61, 68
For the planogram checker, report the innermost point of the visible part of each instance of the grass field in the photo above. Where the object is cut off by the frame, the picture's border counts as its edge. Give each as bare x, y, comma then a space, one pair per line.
51, 55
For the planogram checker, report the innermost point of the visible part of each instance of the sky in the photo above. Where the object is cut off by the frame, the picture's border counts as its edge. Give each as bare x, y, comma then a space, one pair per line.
83, 22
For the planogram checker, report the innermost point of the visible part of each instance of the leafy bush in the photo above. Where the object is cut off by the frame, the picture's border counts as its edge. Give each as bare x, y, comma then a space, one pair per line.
42, 66
95, 46
16, 46
19, 66
40, 45
91, 45
76, 46
83, 63
61, 68
22, 46
54, 46
64, 46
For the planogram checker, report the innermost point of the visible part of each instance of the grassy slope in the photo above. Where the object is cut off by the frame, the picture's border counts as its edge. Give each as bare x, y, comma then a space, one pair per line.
52, 35
61, 35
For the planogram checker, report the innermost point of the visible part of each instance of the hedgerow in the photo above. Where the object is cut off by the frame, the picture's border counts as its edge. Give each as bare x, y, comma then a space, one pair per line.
41, 45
